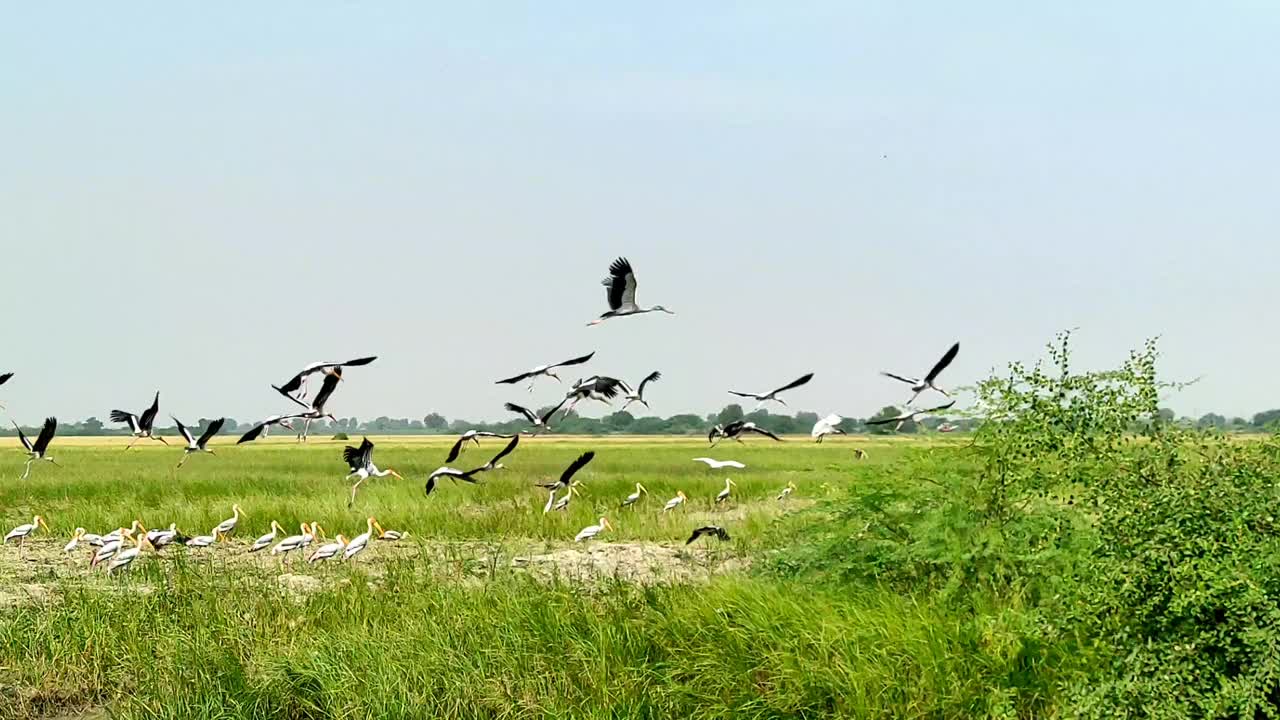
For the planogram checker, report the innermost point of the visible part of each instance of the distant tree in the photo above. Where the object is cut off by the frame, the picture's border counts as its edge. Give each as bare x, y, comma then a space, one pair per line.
730, 413
887, 429
435, 421
619, 421
1211, 420
92, 426
1265, 418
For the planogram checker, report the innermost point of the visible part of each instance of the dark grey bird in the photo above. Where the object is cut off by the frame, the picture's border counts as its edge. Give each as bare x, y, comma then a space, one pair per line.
140, 426
919, 385
709, 530
597, 387
39, 449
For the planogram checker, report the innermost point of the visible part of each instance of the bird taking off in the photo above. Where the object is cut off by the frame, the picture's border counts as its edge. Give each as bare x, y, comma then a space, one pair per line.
296, 386
140, 425
920, 385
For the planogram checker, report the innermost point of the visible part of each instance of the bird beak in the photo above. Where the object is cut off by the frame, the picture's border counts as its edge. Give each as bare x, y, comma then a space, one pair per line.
319, 531
51, 460
398, 475
607, 525
44, 525
644, 490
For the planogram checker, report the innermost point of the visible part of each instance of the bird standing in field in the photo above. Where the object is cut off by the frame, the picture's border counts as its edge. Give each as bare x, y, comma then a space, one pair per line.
786, 491
140, 425
569, 492
544, 371
762, 398
826, 426
473, 436
200, 541
621, 293
124, 558
734, 431
906, 415
110, 546
361, 541
389, 535
920, 385
39, 449
328, 550
76, 537
295, 388
196, 445
539, 422
591, 531
724, 494
360, 460
708, 530
638, 395
720, 464
675, 502
265, 541
294, 543
634, 497
21, 532
228, 526
4, 378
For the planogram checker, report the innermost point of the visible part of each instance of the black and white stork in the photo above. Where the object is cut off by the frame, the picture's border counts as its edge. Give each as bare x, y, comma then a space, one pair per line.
621, 293
544, 371
920, 385
40, 448
195, 445
140, 425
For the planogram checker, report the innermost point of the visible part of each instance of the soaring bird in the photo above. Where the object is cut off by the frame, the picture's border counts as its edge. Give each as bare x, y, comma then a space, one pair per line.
712, 530
761, 398
734, 431
675, 502
361, 541
598, 388
638, 395
21, 532
265, 541
918, 386
4, 378
634, 497
621, 293
591, 531
720, 464
544, 370
38, 450
197, 446
317, 411
539, 422
295, 388
908, 414
826, 426
567, 476
360, 460
724, 494
786, 491
262, 428
453, 474
474, 436
140, 425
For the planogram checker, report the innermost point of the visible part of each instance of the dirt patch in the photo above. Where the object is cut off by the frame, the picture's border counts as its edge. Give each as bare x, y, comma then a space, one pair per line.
642, 563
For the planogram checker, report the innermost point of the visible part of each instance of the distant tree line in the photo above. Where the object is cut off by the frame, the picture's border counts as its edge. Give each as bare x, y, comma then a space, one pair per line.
624, 423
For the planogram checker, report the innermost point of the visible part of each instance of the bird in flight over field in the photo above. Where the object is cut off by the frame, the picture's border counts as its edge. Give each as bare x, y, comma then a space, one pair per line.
920, 385
621, 293
140, 425
544, 370
773, 394
296, 387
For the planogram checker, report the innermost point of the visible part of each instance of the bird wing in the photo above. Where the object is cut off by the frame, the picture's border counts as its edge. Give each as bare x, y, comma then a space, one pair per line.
937, 409
4, 377
120, 416
22, 437
358, 457
651, 377
285, 391
46, 435
574, 361
486, 433
762, 431
899, 378
526, 412
697, 533
742, 394
358, 361
292, 385
506, 450
148, 416
794, 383
621, 283
943, 363
713, 432
322, 397
513, 379
455, 450
734, 428
184, 432
547, 415
609, 387
209, 432
575, 466
885, 421
254, 433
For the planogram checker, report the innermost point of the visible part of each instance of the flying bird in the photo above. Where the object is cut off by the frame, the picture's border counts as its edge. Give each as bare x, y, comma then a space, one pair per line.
262, 428
918, 386
360, 461
761, 398
597, 387
140, 425
317, 411
473, 436
591, 531
4, 378
567, 476
452, 473
734, 431
494, 464
621, 293
38, 450
908, 414
295, 388
638, 395
193, 445
720, 464
826, 426
544, 370
539, 422
708, 530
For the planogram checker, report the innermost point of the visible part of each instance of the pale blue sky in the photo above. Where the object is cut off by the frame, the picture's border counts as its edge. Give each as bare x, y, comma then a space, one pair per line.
812, 186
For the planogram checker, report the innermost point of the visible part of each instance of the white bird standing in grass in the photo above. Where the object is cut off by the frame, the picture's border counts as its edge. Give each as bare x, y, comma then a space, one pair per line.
551, 499
196, 445
724, 494
361, 541
265, 541
563, 502
36, 451
389, 535
163, 537
76, 537
297, 542
140, 425
591, 531
720, 464
328, 550
21, 532
228, 526
621, 293
634, 497
790, 488
675, 502
200, 541
125, 558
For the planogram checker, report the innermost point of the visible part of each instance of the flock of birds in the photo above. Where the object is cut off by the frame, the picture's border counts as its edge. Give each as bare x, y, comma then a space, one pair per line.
620, 287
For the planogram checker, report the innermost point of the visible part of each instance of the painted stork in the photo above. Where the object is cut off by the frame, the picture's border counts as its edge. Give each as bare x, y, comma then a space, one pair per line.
140, 425
634, 497
918, 385
125, 558
709, 531
39, 449
453, 474
76, 537
473, 436
21, 532
719, 464
569, 492
228, 526
388, 535
200, 541
540, 422
361, 541
544, 371
264, 541
762, 398
638, 395
110, 547
297, 542
551, 498
908, 414
494, 463
193, 445
328, 550
724, 494
591, 531
826, 426
262, 429
360, 460
295, 388
675, 502
621, 293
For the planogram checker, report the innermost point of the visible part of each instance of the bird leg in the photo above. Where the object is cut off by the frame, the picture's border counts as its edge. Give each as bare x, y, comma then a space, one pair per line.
26, 471
354, 488
161, 439
131, 442
183, 461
